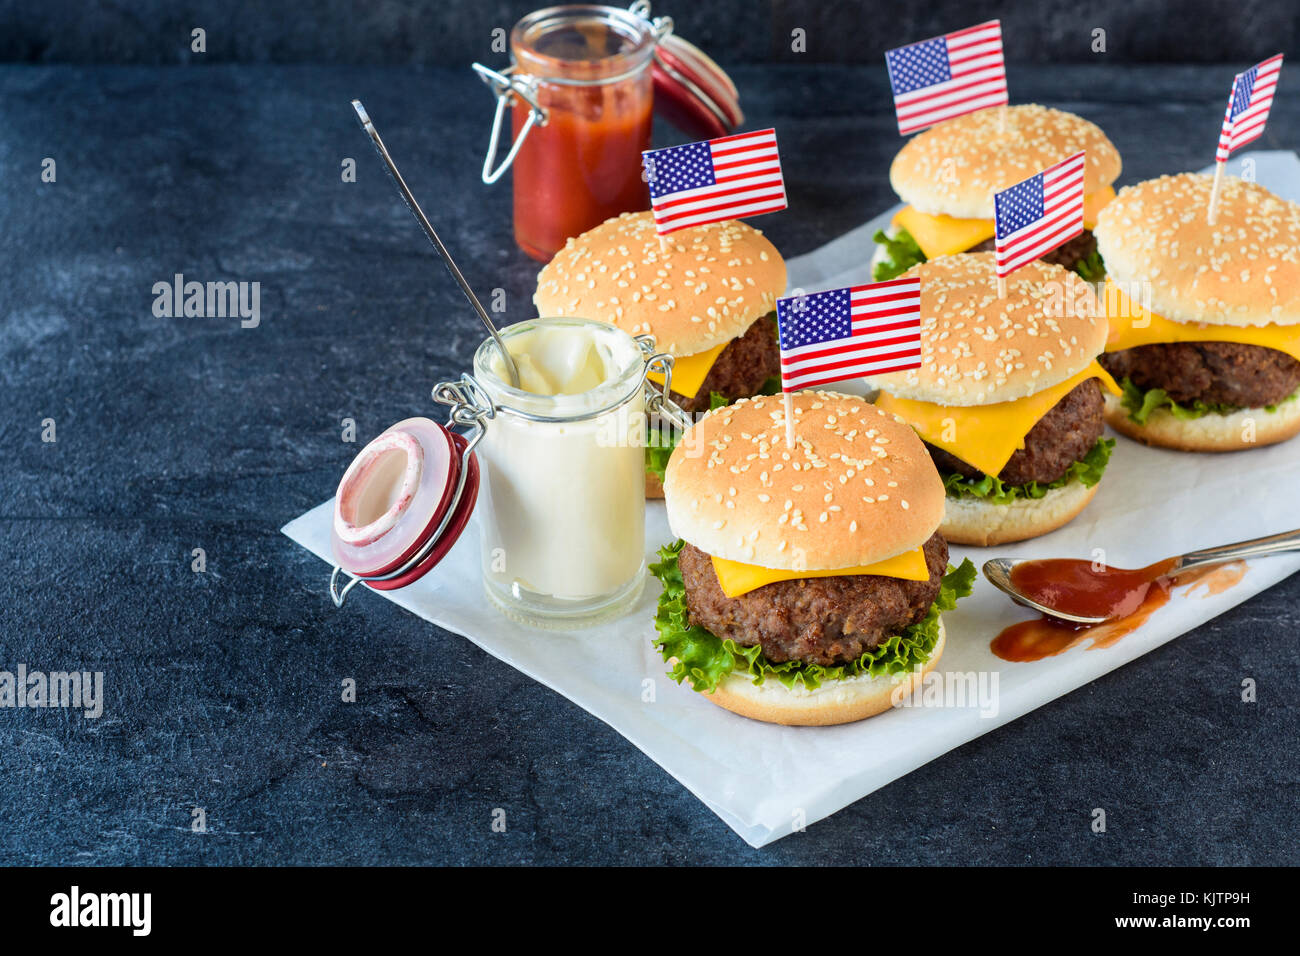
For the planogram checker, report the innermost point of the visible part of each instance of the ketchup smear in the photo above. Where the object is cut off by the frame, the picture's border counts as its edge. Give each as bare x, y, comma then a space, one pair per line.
1126, 596
1077, 587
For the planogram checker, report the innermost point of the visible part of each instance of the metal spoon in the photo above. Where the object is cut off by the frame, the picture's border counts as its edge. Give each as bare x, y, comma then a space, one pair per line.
998, 570
423, 220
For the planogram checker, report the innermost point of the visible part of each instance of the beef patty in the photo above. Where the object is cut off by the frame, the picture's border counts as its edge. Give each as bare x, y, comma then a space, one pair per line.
1067, 256
824, 621
1059, 439
742, 368
1217, 373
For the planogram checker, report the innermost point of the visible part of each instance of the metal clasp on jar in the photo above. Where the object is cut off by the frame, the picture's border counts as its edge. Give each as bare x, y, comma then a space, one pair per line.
658, 401
506, 84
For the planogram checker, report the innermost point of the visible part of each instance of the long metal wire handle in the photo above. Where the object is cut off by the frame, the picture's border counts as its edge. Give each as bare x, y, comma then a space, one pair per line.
468, 410
1254, 548
429, 231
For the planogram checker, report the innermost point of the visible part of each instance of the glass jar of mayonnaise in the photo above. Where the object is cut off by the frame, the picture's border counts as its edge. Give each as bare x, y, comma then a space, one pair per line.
562, 515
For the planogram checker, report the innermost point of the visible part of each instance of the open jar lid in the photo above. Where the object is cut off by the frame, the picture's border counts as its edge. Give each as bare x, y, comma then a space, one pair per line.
403, 503
692, 92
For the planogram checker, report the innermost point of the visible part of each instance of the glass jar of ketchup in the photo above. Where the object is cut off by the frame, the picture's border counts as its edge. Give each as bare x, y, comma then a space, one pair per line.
581, 94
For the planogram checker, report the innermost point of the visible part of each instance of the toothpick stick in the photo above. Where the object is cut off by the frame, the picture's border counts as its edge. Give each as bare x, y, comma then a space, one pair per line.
789, 421
1002, 119
1002, 283
1214, 192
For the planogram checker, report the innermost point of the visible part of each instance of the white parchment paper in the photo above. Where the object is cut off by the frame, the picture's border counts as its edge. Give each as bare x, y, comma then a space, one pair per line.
762, 779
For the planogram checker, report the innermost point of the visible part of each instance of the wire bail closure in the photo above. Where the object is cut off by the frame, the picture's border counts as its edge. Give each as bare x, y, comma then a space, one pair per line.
505, 84
657, 400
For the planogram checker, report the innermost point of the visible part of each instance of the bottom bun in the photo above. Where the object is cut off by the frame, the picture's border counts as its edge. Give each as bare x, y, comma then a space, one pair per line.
1209, 432
834, 702
654, 488
978, 522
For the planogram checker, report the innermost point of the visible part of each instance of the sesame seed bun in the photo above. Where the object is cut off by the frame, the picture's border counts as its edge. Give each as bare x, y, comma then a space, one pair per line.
834, 702
1232, 432
954, 168
977, 522
859, 486
700, 288
978, 349
1242, 271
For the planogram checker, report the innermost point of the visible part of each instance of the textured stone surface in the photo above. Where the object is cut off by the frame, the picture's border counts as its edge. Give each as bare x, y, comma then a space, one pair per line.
447, 32
223, 688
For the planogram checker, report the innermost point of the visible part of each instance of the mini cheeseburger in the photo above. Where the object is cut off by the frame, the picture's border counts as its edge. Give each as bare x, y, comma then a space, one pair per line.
1205, 320
1008, 398
948, 174
807, 585
707, 294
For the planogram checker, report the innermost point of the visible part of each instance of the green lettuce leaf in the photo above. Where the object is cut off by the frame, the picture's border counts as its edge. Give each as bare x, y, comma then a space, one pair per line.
705, 660
1086, 471
660, 442
1092, 268
1290, 398
901, 253
1141, 404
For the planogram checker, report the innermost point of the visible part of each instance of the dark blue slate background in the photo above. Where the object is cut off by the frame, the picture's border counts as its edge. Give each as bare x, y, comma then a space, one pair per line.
439, 32
223, 687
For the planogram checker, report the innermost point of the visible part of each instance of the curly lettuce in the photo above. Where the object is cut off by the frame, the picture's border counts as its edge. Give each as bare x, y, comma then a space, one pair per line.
901, 253
658, 449
1091, 268
1140, 404
1087, 471
704, 659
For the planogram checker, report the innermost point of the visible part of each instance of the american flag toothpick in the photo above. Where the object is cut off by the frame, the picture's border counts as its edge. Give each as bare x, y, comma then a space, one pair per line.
946, 76
715, 180
848, 333
1038, 214
1243, 121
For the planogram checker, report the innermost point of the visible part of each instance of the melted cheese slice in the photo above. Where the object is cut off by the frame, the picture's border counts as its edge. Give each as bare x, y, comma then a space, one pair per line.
943, 235
986, 436
737, 578
946, 236
689, 371
1131, 326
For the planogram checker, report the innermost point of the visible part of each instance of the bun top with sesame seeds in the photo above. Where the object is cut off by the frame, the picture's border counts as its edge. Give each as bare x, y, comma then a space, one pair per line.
954, 168
700, 288
1242, 271
978, 348
859, 486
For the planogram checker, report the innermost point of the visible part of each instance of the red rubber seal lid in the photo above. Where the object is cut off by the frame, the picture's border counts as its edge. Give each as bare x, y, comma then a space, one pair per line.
396, 496
450, 535
692, 92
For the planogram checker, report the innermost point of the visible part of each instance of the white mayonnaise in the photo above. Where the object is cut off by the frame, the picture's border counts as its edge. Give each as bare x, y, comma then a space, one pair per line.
563, 515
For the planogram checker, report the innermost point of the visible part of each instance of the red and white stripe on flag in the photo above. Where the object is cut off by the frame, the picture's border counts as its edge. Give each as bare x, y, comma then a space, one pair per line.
1248, 106
1037, 215
946, 76
821, 343
742, 175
